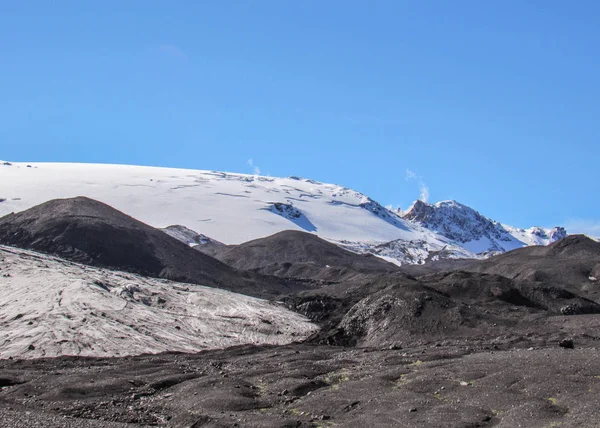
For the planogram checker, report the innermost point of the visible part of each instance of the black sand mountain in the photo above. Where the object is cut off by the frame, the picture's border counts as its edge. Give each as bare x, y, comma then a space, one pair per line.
394, 308
397, 309
91, 232
295, 254
572, 263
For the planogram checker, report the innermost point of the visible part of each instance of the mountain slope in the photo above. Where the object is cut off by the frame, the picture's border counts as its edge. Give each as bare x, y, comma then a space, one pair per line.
90, 232
230, 208
301, 255
573, 263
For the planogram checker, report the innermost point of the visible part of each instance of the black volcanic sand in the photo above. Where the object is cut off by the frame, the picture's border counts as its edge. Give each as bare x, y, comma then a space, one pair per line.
522, 379
295, 254
91, 232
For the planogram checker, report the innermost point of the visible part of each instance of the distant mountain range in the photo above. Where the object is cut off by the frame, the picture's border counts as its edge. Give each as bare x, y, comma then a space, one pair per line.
211, 208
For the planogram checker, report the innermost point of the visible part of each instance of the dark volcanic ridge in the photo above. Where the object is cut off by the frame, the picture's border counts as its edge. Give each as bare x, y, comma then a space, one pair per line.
573, 263
479, 300
296, 254
90, 232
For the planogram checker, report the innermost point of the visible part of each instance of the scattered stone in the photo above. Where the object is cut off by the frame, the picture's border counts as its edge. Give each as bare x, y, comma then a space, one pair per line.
574, 309
566, 343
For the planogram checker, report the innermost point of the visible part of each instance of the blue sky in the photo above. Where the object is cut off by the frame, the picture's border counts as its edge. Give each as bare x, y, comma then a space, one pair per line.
494, 104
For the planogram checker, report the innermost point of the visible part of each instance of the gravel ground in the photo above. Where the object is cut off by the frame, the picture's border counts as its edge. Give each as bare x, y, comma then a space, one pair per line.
511, 383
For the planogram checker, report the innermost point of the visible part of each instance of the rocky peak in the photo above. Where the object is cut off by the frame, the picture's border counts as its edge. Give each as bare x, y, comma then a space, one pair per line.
465, 225
557, 233
456, 221
420, 211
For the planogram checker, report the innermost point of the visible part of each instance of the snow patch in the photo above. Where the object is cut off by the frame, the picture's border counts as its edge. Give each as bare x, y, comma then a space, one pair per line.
189, 237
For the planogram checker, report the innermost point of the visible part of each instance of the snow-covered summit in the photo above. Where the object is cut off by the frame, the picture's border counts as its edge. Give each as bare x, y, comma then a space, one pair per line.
231, 208
234, 208
474, 231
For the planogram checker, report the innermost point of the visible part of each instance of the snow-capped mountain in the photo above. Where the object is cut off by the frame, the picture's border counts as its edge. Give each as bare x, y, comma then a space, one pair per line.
220, 207
537, 235
474, 232
230, 208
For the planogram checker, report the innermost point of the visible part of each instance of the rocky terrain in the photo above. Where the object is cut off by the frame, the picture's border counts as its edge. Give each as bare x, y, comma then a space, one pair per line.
347, 340
520, 380
463, 302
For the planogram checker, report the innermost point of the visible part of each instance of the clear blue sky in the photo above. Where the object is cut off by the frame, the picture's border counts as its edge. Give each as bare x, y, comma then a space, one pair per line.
494, 104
